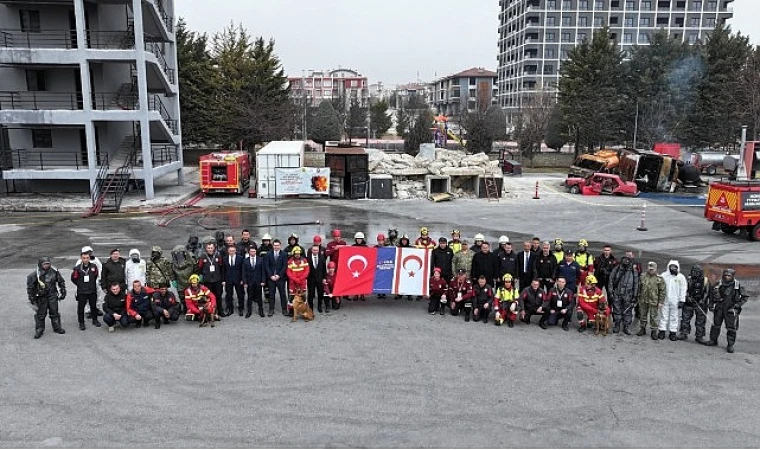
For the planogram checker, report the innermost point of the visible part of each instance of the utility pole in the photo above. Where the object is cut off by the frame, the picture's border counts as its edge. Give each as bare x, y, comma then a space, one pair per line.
303, 90
636, 127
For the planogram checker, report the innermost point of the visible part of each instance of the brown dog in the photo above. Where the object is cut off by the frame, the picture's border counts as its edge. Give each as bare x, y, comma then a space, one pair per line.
207, 316
602, 320
301, 308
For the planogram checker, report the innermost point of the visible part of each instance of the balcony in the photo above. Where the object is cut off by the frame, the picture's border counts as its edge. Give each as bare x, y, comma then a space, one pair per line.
156, 50
155, 104
66, 39
167, 20
22, 159
40, 100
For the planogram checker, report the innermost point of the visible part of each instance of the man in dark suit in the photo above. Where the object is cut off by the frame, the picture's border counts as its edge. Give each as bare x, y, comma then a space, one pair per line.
317, 274
233, 281
525, 265
275, 266
253, 281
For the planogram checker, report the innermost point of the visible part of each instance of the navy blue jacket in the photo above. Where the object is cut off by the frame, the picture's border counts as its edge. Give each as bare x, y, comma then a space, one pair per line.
277, 266
253, 275
233, 273
571, 272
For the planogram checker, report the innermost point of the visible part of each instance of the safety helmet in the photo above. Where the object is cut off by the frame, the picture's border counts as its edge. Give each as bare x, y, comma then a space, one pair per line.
86, 249
503, 240
359, 235
437, 269
507, 277
583, 243
194, 279
380, 237
293, 235
423, 231
267, 237
296, 250
453, 232
336, 233
558, 241
590, 279
404, 236
729, 273
331, 265
317, 239
479, 237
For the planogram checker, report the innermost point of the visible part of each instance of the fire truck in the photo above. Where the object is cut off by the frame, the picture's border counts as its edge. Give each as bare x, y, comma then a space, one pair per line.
225, 172
734, 205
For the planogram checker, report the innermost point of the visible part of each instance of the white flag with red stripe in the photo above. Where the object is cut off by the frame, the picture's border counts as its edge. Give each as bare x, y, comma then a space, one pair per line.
412, 271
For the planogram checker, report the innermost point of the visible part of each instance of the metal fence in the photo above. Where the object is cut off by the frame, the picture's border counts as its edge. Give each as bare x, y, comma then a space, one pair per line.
35, 160
66, 39
39, 100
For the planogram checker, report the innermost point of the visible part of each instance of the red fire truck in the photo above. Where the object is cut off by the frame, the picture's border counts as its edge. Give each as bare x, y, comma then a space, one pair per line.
734, 205
225, 172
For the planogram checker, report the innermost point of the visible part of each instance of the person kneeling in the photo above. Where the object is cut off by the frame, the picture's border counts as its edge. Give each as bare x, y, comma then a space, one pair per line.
140, 304
115, 307
165, 305
532, 302
200, 301
561, 303
507, 296
483, 293
438, 290
462, 294
589, 298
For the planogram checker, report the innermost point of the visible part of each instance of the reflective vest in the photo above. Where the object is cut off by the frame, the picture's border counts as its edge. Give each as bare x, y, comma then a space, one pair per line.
590, 296
507, 295
456, 246
560, 256
584, 260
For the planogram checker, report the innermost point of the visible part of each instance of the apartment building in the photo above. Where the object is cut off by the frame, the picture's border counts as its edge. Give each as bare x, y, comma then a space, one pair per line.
535, 36
462, 92
89, 99
317, 85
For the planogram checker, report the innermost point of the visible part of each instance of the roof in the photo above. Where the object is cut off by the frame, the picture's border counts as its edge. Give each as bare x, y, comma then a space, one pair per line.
345, 151
283, 147
474, 72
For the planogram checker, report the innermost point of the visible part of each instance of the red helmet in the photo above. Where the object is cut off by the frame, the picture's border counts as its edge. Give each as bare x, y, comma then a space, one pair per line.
380, 237
331, 265
336, 233
317, 239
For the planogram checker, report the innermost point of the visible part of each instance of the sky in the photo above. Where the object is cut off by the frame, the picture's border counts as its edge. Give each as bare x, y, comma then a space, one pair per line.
393, 41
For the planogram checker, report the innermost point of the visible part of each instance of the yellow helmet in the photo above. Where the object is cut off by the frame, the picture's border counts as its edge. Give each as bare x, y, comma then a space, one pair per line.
194, 279
424, 231
583, 243
558, 241
296, 250
590, 279
507, 277
453, 232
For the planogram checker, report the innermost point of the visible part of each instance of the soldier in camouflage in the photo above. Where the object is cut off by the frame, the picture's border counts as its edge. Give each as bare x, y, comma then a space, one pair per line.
159, 269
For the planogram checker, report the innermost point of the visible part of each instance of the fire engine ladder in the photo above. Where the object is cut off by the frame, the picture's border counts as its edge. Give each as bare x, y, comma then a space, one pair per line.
492, 188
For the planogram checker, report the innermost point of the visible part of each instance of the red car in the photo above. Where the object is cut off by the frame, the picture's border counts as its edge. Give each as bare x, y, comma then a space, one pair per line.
601, 183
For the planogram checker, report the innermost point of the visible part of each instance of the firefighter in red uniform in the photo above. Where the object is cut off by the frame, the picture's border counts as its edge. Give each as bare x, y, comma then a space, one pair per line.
297, 271
331, 251
329, 284
438, 293
585, 260
589, 296
199, 300
424, 241
508, 299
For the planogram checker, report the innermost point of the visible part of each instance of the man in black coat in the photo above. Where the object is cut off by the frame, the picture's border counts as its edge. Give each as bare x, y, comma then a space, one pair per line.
275, 266
317, 274
485, 263
525, 265
233, 281
253, 280
443, 255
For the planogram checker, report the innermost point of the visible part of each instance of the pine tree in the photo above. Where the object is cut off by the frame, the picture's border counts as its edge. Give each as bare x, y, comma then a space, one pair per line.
420, 133
380, 120
325, 126
356, 119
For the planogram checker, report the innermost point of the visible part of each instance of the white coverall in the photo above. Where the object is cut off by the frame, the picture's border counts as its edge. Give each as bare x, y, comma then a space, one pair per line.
135, 271
675, 292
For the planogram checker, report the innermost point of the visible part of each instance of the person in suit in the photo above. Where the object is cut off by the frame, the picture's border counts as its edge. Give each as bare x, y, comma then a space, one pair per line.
275, 265
253, 281
233, 281
317, 274
525, 265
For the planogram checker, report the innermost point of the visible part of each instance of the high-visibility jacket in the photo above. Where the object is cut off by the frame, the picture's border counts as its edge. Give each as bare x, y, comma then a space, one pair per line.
297, 271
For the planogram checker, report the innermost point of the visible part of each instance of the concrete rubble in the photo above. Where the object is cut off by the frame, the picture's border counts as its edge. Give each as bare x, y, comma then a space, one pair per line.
409, 171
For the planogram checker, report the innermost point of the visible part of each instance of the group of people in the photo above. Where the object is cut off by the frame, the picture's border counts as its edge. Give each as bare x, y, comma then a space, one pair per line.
480, 283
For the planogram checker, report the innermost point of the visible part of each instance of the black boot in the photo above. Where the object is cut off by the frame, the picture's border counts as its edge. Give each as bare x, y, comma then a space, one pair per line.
39, 327
158, 323
661, 335
655, 335
81, 326
730, 348
616, 327
566, 325
711, 343
681, 337
96, 322
466, 315
626, 330
542, 324
673, 336
57, 326
510, 323
700, 340
642, 331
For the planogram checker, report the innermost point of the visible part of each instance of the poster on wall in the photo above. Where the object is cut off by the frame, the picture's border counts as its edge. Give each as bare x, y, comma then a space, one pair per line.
302, 181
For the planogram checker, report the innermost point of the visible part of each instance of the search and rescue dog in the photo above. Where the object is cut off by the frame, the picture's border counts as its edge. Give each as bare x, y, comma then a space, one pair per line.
301, 308
602, 320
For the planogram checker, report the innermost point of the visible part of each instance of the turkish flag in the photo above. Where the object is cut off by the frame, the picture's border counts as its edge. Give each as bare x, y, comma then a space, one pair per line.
412, 271
355, 273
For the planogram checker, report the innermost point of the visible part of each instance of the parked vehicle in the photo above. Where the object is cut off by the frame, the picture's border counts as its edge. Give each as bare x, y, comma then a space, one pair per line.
734, 205
605, 161
225, 172
601, 183
709, 162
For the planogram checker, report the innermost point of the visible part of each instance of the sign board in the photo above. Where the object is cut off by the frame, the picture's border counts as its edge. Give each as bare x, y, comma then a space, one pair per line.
750, 201
302, 181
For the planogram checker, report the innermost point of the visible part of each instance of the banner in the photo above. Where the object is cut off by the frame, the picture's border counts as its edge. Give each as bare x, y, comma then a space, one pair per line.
384, 270
302, 180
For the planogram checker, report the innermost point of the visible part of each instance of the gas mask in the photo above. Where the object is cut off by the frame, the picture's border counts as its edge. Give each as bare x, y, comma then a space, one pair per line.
626, 262
178, 258
155, 255
392, 234
135, 259
673, 270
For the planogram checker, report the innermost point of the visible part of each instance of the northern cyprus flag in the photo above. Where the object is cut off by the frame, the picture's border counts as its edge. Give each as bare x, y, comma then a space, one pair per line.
412, 271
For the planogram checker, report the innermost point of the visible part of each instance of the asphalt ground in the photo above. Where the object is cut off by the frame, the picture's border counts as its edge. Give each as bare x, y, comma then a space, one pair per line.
381, 373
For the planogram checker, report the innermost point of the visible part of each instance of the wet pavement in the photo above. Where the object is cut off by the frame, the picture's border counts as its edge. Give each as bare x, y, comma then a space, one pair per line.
376, 373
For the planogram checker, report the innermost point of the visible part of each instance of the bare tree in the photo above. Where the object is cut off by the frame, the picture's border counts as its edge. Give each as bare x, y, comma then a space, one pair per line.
533, 121
749, 88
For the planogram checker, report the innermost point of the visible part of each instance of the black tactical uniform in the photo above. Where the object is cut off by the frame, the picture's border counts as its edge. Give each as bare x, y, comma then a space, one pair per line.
697, 295
726, 300
45, 287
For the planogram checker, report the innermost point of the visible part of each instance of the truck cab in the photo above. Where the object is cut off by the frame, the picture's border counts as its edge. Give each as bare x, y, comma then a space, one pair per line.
734, 205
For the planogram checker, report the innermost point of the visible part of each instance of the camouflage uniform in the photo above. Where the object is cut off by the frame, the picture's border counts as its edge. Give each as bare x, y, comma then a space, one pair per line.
183, 265
159, 269
651, 296
463, 260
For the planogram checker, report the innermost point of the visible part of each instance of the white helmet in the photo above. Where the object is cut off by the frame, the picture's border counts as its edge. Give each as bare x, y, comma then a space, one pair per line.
479, 237
86, 249
359, 235
503, 240
266, 237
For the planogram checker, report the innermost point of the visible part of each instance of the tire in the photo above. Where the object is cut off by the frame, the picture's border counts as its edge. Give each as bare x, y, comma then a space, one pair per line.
711, 170
728, 229
754, 232
575, 189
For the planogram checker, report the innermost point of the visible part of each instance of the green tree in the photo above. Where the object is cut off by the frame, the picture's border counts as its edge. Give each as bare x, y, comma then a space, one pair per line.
380, 120
325, 126
416, 102
750, 93
496, 121
419, 133
716, 117
556, 130
198, 85
356, 119
589, 91
403, 121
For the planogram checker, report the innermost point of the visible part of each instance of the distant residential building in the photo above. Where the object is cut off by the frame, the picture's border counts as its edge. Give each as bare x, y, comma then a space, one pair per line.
404, 91
378, 92
459, 93
535, 36
316, 86
88, 94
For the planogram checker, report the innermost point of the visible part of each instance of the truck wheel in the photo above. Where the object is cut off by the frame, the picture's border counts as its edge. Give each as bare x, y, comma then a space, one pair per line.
728, 229
754, 232
575, 189
711, 170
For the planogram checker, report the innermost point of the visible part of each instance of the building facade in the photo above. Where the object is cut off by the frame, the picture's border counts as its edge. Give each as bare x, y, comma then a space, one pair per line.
462, 92
535, 36
88, 89
315, 86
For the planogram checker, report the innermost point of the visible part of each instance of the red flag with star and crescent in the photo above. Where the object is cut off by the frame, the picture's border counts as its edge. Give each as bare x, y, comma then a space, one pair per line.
355, 273
363, 270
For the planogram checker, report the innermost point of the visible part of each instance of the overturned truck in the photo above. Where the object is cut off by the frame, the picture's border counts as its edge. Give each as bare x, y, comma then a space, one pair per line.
652, 172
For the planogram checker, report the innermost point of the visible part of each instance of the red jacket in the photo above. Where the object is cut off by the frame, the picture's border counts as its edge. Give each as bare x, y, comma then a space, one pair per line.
145, 300
438, 287
328, 283
331, 251
192, 296
427, 243
465, 288
298, 271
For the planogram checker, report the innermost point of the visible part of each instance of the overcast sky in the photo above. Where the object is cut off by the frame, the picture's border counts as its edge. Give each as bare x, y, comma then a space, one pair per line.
390, 40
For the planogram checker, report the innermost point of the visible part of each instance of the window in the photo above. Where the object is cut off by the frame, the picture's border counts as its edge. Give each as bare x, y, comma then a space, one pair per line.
628, 38
549, 69
581, 37
710, 23
646, 5
551, 4
582, 21
614, 20
695, 22
563, 54
643, 38
645, 22
629, 21
565, 37
566, 4
629, 5
599, 4
354, 83
35, 80
696, 5
583, 4
551, 37
567, 21
318, 83
598, 21
327, 84
30, 20
692, 39
42, 138
549, 53
712, 6
551, 21
473, 81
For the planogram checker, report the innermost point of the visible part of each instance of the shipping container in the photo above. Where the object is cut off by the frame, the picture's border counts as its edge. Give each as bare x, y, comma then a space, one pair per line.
276, 155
